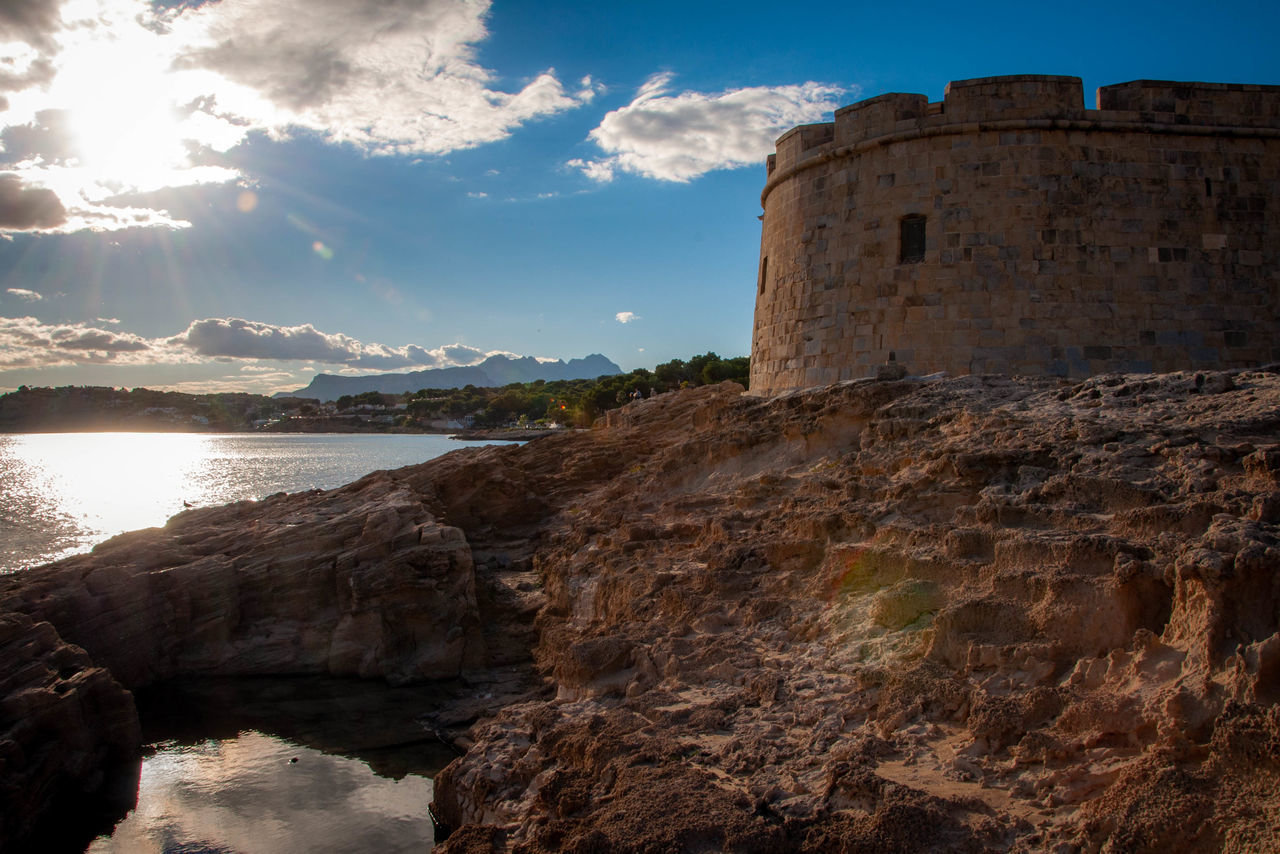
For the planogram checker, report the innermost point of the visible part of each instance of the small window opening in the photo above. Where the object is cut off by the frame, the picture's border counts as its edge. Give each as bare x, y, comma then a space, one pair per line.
764, 272
1208, 186
911, 238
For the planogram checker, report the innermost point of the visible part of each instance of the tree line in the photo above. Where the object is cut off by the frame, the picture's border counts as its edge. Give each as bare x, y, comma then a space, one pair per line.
104, 408
570, 402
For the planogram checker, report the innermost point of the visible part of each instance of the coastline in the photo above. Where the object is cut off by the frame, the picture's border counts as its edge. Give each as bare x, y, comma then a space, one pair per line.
506, 434
966, 613
316, 425
62, 488
310, 425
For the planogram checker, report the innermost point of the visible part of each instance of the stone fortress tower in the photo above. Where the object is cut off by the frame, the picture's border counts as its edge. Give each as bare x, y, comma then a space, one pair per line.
1007, 229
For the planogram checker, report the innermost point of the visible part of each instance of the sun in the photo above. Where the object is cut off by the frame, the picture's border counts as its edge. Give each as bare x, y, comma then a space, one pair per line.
136, 151
123, 116
126, 129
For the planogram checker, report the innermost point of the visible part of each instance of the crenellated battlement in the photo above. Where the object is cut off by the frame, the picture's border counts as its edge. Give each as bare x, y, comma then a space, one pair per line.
1032, 99
878, 116
1203, 104
1023, 96
1009, 229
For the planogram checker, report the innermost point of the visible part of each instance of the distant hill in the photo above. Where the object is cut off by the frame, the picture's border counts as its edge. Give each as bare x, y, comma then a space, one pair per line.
493, 372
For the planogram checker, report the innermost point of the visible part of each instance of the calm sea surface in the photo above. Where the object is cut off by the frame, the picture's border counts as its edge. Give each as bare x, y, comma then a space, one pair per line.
63, 493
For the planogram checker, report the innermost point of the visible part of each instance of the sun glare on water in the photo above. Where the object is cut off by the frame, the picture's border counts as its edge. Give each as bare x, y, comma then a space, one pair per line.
117, 482
66, 492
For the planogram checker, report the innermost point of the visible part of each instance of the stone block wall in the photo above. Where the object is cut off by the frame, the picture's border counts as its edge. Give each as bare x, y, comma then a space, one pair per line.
1141, 236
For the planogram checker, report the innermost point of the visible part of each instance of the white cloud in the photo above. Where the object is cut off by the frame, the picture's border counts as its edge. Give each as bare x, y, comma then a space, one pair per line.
110, 97
680, 137
450, 355
235, 338
627, 316
596, 170
29, 20
105, 117
26, 342
25, 295
246, 339
386, 75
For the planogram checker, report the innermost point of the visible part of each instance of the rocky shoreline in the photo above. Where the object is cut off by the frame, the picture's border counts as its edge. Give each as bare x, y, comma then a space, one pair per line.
957, 614
507, 434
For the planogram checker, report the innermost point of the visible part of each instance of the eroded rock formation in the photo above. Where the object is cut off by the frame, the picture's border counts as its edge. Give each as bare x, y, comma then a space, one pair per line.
969, 614
958, 614
360, 581
64, 723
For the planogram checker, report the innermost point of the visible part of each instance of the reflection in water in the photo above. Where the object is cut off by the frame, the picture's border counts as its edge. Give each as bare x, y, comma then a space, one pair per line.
273, 765
258, 794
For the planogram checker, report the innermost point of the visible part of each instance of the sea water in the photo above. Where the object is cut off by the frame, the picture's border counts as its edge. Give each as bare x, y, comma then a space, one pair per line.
279, 765
215, 780
260, 794
63, 493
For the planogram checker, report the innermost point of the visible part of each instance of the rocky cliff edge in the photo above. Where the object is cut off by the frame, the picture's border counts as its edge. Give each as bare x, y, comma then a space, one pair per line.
957, 614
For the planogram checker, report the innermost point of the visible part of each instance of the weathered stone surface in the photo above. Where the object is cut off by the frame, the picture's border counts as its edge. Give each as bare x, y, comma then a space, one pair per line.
963, 614
63, 722
359, 581
1007, 229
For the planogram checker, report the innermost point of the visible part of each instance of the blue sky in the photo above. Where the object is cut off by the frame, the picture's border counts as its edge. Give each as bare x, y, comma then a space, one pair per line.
237, 195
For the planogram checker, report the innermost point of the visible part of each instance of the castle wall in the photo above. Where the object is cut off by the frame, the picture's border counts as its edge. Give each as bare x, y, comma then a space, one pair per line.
1141, 236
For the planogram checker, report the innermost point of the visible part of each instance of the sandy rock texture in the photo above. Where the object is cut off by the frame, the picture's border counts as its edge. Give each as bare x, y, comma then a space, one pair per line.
966, 614
940, 614
63, 723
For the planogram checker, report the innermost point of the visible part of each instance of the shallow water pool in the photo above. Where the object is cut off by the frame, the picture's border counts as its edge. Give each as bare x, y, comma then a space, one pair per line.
261, 794
269, 766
